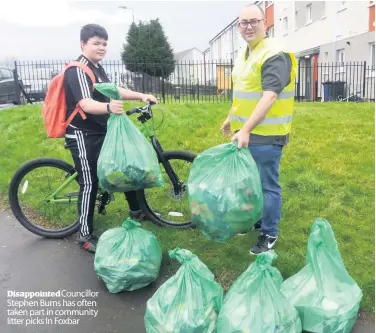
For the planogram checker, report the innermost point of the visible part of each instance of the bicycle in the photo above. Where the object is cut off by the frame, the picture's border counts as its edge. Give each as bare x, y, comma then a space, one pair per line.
59, 198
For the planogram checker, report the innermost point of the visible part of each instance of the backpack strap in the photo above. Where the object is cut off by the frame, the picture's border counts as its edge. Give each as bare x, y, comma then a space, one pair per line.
91, 75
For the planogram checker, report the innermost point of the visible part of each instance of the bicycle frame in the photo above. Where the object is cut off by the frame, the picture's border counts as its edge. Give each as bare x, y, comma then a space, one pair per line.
159, 151
52, 198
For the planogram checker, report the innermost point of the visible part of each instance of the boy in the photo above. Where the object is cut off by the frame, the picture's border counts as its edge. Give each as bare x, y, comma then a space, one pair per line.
84, 138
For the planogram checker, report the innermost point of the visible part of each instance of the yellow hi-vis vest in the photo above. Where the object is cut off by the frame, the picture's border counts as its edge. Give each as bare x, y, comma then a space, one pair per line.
247, 85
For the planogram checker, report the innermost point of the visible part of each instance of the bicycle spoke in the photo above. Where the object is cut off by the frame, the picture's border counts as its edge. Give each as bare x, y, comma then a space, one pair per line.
36, 186
172, 208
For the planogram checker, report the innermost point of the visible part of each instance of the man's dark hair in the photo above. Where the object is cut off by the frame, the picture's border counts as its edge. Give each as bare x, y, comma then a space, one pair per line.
93, 30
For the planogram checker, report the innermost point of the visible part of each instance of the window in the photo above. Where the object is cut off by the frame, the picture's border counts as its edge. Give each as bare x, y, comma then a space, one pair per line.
340, 56
271, 31
372, 56
5, 74
285, 26
227, 70
296, 20
309, 13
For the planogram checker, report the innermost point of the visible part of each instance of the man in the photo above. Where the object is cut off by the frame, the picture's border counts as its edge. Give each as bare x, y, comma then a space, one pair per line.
261, 114
84, 138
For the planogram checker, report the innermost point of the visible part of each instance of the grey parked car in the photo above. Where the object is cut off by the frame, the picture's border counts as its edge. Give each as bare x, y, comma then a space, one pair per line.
7, 86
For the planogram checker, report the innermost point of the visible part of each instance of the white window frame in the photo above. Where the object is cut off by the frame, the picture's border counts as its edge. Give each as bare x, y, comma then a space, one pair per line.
372, 56
271, 29
309, 17
323, 15
285, 28
340, 52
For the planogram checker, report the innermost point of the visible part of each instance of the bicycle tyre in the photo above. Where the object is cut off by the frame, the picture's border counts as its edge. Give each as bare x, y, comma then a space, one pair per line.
14, 200
152, 216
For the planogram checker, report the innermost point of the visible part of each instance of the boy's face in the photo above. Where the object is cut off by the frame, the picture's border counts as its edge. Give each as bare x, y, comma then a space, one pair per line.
95, 48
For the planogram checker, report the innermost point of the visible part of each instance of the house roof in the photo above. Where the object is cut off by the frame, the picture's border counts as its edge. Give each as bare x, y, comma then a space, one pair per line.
180, 55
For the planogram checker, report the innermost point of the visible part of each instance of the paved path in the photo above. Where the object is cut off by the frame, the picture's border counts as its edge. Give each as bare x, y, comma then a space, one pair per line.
29, 263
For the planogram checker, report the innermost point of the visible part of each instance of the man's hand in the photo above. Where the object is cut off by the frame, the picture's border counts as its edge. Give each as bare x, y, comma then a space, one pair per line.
149, 98
242, 137
226, 127
116, 107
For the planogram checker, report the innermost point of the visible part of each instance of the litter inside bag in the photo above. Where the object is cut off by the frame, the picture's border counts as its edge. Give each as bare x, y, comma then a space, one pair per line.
128, 257
323, 292
224, 191
255, 304
127, 161
188, 302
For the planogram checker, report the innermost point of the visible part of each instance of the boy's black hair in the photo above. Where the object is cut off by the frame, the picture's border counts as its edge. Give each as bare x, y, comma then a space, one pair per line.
93, 30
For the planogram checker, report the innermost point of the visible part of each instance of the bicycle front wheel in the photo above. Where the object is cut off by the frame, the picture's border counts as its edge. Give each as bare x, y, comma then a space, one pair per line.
43, 196
168, 206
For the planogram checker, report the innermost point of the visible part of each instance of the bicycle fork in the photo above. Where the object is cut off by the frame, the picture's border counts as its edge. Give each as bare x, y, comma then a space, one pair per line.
176, 183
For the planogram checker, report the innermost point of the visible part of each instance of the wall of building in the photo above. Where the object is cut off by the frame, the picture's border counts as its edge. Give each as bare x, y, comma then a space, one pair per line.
331, 21
357, 48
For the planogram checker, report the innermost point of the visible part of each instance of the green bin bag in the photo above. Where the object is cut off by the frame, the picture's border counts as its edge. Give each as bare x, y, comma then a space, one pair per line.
188, 302
325, 295
254, 302
127, 161
127, 258
224, 192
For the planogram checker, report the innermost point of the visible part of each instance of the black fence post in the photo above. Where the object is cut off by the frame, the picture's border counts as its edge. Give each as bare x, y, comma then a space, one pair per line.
163, 87
232, 84
17, 84
143, 82
364, 78
298, 85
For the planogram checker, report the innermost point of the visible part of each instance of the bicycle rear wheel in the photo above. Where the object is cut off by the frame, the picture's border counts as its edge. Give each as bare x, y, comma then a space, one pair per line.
164, 206
29, 192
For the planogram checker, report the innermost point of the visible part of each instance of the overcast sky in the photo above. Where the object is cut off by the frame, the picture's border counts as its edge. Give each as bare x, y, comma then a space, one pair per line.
38, 30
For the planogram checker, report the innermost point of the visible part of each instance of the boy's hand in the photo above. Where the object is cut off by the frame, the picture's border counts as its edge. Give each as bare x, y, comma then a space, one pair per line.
149, 98
116, 107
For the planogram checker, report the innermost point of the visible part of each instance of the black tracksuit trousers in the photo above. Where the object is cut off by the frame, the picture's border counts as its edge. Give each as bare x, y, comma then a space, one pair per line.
85, 148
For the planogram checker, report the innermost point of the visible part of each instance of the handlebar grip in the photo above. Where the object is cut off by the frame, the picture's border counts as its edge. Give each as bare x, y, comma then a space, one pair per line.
129, 112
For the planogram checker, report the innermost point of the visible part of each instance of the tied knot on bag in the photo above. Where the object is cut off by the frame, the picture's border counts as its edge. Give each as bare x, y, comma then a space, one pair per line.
264, 260
181, 255
129, 224
322, 234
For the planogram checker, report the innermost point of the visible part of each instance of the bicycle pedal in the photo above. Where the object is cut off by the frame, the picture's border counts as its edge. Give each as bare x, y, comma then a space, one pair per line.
102, 211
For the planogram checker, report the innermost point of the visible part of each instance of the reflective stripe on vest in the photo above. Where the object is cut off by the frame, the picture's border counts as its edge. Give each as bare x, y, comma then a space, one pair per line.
266, 121
257, 95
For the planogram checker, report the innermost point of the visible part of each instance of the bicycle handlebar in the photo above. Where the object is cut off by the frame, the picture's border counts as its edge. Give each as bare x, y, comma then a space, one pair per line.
139, 109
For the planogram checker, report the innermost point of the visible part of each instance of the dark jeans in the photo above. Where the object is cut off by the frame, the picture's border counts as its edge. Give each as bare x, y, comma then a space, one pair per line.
268, 158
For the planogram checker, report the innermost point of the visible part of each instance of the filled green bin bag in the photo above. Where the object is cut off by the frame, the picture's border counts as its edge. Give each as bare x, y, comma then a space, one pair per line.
254, 302
127, 161
127, 258
188, 302
224, 192
325, 295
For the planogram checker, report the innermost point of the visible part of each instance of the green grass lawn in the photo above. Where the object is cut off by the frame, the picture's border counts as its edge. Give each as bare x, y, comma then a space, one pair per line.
327, 171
